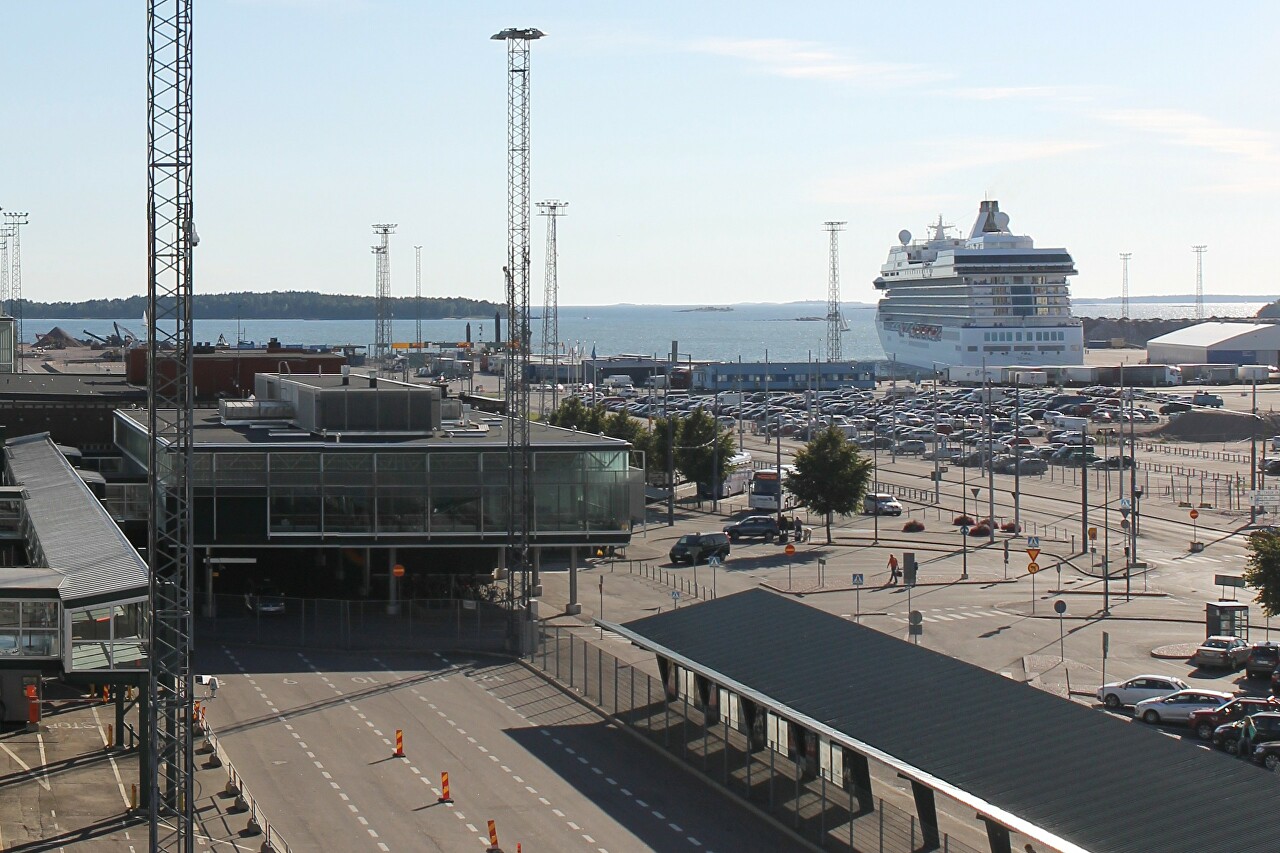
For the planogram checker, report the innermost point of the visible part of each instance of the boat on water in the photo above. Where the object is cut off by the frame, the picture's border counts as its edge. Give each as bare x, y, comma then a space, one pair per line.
991, 299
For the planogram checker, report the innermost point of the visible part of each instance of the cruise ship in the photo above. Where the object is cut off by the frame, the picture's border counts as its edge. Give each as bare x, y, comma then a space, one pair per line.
991, 299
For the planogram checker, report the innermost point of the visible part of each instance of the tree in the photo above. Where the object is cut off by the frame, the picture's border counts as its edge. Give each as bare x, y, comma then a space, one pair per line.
573, 414
1262, 569
697, 439
830, 475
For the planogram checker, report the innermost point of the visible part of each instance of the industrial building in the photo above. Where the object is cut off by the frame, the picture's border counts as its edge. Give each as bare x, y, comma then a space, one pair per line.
784, 376
1218, 343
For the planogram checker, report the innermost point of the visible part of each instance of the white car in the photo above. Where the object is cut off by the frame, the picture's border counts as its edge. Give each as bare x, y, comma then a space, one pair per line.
1177, 707
1135, 690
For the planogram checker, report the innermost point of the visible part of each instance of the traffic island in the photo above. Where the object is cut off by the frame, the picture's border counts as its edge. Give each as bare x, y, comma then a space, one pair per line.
1175, 651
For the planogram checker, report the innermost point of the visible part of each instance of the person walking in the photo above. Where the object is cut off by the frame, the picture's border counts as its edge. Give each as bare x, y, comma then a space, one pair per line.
893, 570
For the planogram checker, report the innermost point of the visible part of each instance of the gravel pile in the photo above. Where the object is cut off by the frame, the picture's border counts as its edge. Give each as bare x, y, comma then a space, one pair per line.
1216, 425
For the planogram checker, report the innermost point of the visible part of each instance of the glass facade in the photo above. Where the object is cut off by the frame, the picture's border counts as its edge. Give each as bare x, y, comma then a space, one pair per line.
29, 628
112, 636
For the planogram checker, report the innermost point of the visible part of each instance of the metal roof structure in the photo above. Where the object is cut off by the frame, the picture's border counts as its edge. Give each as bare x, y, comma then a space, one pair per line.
1070, 777
1213, 334
68, 530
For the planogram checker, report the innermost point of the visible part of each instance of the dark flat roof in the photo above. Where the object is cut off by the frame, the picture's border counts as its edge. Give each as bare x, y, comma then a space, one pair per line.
78, 384
210, 431
1052, 769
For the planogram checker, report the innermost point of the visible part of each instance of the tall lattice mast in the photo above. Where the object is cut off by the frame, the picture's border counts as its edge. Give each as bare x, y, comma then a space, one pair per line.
1124, 283
552, 210
519, 461
417, 296
835, 318
4, 269
1199, 250
382, 295
16, 221
170, 791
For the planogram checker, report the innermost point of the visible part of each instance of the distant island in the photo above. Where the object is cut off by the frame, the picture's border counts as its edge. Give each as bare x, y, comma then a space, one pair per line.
277, 305
703, 309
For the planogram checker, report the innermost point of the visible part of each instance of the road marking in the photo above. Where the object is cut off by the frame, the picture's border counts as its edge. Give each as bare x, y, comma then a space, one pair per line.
573, 826
642, 804
659, 815
544, 801
610, 781
675, 827
557, 813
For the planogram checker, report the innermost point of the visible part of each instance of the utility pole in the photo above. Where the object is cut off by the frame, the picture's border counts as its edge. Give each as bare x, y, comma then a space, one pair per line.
417, 296
1084, 488
1200, 250
1124, 284
1253, 455
382, 295
835, 318
16, 221
552, 210
519, 448
167, 763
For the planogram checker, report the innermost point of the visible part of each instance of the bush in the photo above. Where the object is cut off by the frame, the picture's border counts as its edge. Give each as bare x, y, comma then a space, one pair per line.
961, 520
1010, 527
980, 530
913, 526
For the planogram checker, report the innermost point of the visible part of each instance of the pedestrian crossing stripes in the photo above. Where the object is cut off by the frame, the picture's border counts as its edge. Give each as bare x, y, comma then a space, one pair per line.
1200, 559
952, 614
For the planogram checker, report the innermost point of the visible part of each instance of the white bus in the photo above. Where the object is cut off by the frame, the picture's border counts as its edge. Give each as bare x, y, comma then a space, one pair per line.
766, 489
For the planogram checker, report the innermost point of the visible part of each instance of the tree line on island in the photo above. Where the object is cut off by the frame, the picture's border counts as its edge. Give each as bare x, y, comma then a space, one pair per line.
277, 305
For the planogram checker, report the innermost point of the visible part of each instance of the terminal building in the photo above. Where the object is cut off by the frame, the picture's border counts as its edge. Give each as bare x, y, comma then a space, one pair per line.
1218, 343
334, 479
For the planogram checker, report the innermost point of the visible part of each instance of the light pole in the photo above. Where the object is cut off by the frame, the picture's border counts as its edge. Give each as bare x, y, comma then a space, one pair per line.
1253, 456
875, 479
1106, 520
715, 454
937, 472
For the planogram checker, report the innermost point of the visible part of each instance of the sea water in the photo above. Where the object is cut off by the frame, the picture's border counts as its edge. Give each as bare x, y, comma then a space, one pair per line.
782, 332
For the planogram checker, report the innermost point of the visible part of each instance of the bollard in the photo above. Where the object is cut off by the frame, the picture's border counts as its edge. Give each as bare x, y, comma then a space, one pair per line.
444, 790
232, 789
106, 694
111, 736
493, 839
242, 805
133, 797
267, 846
253, 827
399, 753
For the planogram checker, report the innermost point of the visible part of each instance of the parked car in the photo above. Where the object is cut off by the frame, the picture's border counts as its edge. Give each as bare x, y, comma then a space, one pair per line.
1135, 690
266, 602
880, 503
1258, 729
753, 527
1175, 408
1225, 652
910, 446
1227, 736
1267, 754
700, 547
1177, 707
1203, 723
1262, 660
1204, 398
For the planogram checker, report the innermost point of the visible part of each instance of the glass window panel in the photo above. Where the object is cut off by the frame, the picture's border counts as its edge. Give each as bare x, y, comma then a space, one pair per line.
402, 510
445, 463
495, 469
39, 614
454, 508
348, 510
9, 614
40, 643
294, 510
348, 462
8, 643
496, 505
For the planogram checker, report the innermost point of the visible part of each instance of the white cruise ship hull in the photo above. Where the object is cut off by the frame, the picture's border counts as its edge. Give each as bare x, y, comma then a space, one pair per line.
939, 347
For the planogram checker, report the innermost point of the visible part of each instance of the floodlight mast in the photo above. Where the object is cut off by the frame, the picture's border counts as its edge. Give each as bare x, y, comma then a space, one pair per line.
835, 318
167, 767
552, 210
519, 452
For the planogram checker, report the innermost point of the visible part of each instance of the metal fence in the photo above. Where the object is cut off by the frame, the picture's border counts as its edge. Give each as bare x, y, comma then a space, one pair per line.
273, 842
322, 623
817, 803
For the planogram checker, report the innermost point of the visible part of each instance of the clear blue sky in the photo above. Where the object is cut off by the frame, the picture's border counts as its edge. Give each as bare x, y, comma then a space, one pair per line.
700, 145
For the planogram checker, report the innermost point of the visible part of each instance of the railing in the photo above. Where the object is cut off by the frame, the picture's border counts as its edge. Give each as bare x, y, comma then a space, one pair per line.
817, 803
258, 823
685, 584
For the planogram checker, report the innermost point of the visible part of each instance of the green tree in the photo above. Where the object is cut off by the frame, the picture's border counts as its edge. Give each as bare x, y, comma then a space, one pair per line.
1262, 569
830, 475
698, 440
623, 426
572, 413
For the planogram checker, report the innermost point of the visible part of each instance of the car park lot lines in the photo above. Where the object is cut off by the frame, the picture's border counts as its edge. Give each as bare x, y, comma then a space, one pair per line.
313, 736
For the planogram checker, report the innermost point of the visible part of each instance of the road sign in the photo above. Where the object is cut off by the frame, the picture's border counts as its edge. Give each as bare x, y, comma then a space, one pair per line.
1060, 607
790, 549
1106, 644
964, 530
1228, 580
714, 562
858, 580
675, 595
1032, 568
1264, 498
1124, 504
398, 571
1032, 553
1033, 542
916, 617
1195, 513
1093, 533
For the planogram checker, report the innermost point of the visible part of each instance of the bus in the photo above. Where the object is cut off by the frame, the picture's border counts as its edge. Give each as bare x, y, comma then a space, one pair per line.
736, 477
766, 489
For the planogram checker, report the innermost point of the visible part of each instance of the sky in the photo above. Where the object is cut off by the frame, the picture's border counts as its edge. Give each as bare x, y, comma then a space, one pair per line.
700, 146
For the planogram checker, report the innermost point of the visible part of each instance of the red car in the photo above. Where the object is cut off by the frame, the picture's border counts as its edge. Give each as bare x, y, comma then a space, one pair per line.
1204, 722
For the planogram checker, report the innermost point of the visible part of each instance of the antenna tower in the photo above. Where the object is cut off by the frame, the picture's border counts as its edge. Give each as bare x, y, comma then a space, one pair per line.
417, 295
1124, 284
14, 290
835, 320
519, 455
552, 210
169, 760
382, 295
1199, 250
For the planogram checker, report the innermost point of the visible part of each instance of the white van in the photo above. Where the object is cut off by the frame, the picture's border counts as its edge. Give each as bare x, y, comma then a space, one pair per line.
880, 503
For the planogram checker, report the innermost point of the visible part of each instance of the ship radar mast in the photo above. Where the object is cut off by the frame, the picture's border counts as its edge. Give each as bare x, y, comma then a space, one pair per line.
939, 229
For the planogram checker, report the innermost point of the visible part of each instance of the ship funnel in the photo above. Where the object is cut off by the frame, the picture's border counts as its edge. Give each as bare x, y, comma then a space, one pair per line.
990, 220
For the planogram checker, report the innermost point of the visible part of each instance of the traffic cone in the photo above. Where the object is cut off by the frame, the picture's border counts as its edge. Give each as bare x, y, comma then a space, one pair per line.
399, 753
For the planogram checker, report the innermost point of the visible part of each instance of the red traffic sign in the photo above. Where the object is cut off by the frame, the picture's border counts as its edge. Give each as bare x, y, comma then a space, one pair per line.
1032, 568
1032, 553
398, 571
790, 549
1195, 513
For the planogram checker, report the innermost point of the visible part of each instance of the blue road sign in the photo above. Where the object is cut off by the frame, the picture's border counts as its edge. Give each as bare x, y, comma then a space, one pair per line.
858, 580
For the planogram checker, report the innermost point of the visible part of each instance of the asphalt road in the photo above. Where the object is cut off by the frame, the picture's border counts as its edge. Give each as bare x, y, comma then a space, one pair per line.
312, 734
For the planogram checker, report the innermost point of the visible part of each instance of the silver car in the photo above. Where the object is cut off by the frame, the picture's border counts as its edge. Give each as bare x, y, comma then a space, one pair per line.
1177, 707
1138, 689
